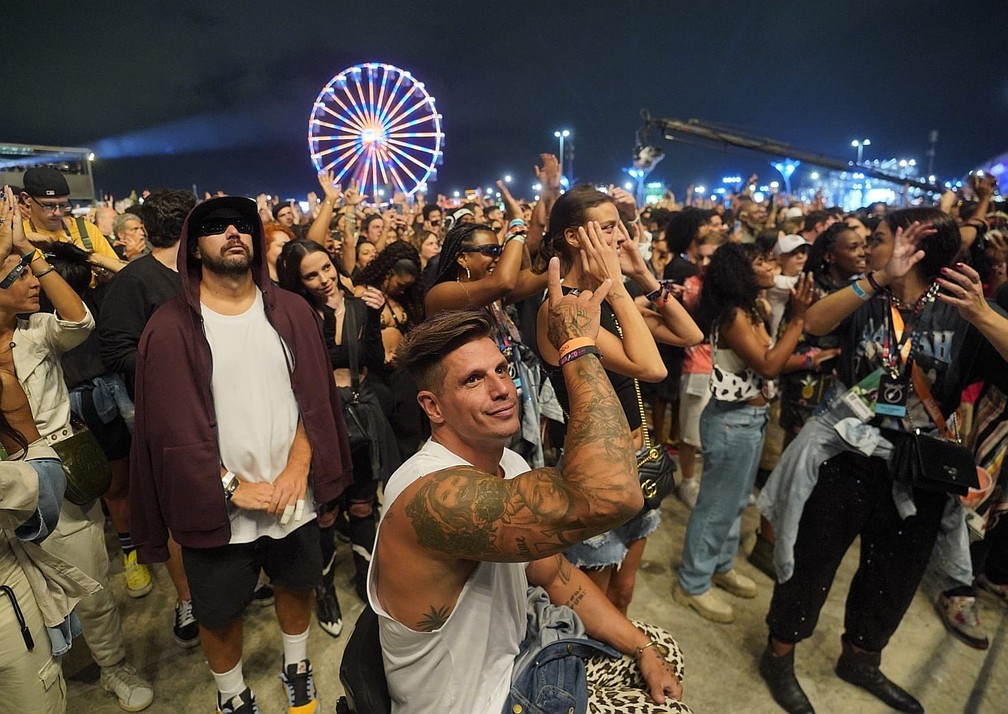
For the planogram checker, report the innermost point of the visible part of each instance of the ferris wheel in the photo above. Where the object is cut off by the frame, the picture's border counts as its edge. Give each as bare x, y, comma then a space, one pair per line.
377, 124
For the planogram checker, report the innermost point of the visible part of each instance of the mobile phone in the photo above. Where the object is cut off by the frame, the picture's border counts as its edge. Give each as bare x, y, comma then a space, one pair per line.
399, 208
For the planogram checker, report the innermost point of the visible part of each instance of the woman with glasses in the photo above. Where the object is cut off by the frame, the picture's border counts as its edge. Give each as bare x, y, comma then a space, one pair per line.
476, 271
587, 234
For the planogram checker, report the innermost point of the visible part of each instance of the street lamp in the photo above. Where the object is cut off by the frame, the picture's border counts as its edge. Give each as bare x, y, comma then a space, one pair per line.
860, 144
561, 135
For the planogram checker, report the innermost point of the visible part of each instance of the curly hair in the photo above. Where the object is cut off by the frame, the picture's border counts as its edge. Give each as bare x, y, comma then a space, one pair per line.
569, 211
458, 238
402, 259
729, 284
684, 226
163, 212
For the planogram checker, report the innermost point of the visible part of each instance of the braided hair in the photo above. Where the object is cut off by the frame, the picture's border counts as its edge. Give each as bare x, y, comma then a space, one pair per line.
398, 258
459, 237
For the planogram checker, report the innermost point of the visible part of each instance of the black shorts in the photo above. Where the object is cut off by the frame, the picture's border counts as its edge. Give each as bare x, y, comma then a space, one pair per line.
222, 580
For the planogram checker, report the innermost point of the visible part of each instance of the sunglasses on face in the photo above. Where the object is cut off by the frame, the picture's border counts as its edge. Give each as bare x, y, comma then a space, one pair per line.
218, 226
491, 250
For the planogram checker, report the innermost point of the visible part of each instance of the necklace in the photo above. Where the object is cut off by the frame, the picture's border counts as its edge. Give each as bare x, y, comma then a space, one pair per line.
926, 297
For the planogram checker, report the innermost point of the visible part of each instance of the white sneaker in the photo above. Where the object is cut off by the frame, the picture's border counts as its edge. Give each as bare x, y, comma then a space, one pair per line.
133, 691
688, 491
735, 583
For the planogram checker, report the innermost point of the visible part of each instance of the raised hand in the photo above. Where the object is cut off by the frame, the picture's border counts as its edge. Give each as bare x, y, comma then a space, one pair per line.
511, 206
599, 259
570, 316
373, 298
905, 253
352, 196
9, 215
548, 175
961, 287
803, 294
630, 259
625, 203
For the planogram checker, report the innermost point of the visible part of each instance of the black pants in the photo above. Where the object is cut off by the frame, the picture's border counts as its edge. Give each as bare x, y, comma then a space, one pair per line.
853, 497
990, 555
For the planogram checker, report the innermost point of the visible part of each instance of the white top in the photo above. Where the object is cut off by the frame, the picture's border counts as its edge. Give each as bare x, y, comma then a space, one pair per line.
779, 296
257, 413
39, 344
465, 666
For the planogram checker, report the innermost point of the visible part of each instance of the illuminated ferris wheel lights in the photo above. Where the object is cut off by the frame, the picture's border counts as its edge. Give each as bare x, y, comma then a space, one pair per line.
380, 127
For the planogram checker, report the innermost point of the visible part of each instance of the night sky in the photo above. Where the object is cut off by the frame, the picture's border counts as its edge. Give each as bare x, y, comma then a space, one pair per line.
219, 97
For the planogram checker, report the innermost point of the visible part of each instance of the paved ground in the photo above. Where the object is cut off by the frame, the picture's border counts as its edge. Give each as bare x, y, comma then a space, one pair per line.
721, 676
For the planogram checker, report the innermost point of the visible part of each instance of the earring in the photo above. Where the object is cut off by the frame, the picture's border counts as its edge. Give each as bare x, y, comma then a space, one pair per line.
468, 274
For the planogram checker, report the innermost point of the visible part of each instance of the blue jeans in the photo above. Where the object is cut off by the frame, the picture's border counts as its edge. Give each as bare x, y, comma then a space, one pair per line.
732, 436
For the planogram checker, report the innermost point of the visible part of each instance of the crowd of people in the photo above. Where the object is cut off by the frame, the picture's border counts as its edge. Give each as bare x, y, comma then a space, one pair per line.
462, 390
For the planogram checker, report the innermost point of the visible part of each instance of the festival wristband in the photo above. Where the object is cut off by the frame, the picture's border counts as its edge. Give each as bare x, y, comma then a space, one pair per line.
574, 343
518, 235
655, 294
516, 222
580, 352
859, 291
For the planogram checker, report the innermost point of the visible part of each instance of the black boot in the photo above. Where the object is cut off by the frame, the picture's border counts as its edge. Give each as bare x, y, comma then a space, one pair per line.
862, 669
778, 672
362, 538
327, 607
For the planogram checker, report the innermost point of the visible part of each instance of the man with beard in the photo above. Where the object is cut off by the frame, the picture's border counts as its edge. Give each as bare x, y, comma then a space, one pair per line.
236, 471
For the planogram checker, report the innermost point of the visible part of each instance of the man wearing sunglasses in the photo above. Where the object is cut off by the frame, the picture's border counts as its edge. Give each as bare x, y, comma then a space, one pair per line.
46, 196
238, 437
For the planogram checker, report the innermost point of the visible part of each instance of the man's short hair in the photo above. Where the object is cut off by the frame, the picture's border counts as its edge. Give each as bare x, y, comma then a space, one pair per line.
163, 213
814, 218
423, 350
121, 219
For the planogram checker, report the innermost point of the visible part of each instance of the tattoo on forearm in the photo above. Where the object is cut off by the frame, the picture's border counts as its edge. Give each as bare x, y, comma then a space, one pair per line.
565, 324
576, 597
434, 619
564, 569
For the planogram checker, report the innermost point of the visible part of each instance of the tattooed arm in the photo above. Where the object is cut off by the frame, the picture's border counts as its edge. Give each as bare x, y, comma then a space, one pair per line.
442, 525
466, 513
567, 585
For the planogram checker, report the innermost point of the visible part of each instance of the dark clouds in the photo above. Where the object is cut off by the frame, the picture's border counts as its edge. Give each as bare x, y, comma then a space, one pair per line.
505, 75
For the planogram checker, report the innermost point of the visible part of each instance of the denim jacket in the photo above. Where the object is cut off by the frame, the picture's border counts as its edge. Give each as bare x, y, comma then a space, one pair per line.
549, 673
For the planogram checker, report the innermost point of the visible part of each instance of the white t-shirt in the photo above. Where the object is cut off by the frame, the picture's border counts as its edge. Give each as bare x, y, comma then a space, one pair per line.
257, 413
465, 666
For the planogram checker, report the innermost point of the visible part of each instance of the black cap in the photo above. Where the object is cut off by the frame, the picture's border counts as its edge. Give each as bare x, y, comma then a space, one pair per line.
45, 182
236, 207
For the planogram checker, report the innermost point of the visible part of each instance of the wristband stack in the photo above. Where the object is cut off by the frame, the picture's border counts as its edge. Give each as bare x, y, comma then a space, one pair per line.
516, 231
659, 296
577, 347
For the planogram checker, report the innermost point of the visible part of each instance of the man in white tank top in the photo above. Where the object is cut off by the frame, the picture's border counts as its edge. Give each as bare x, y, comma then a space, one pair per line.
466, 526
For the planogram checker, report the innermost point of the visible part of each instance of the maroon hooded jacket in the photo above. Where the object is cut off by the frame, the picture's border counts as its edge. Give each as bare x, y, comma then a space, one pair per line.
175, 464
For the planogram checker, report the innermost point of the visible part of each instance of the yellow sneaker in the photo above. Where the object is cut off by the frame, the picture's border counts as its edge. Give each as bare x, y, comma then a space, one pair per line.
138, 576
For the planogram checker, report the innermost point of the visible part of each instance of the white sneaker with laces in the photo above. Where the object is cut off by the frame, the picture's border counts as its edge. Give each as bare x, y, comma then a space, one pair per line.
133, 691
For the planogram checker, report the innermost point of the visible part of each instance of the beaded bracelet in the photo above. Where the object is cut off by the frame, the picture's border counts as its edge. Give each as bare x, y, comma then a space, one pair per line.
580, 352
870, 277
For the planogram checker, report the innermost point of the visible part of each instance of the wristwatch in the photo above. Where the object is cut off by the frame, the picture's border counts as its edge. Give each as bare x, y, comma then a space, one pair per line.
230, 482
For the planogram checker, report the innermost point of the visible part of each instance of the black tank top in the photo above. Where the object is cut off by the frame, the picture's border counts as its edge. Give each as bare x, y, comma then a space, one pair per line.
622, 385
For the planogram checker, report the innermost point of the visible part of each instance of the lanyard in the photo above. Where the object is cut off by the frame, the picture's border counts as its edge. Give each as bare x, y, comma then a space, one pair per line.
899, 340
